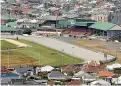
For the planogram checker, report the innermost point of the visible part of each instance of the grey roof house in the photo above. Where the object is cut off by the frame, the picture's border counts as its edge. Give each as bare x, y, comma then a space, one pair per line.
57, 75
7, 77
84, 76
24, 69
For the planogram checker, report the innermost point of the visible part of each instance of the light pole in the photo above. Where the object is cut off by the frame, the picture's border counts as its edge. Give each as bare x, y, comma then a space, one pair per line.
39, 58
8, 57
62, 58
72, 54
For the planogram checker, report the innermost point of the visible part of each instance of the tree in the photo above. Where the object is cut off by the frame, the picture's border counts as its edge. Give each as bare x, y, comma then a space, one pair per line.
27, 31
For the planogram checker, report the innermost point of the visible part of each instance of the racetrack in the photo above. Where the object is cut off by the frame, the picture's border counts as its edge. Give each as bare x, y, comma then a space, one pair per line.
67, 48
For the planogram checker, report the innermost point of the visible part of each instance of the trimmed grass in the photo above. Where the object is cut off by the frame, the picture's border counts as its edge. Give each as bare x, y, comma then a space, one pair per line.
38, 55
5, 44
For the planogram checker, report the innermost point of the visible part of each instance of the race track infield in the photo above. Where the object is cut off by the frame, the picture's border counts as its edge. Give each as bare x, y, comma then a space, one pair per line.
35, 55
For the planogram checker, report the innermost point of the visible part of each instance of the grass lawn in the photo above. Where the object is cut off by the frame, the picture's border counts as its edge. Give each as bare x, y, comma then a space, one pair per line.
5, 44
37, 54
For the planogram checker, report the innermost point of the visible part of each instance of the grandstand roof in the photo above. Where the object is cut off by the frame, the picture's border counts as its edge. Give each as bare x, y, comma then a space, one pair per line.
49, 17
7, 18
47, 27
74, 22
5, 28
12, 23
102, 26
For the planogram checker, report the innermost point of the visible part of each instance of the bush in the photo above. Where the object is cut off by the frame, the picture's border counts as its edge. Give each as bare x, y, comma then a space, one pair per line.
27, 31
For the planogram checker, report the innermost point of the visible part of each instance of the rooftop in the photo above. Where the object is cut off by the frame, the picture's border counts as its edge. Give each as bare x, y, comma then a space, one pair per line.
5, 28
102, 25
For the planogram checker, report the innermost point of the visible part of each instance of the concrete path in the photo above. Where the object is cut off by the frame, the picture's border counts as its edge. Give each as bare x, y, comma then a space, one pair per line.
67, 48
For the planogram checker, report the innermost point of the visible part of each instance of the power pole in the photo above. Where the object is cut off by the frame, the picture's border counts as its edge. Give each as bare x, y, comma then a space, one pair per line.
8, 58
40, 59
72, 54
62, 58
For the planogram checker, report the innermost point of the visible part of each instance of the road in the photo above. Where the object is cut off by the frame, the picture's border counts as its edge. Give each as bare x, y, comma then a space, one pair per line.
67, 48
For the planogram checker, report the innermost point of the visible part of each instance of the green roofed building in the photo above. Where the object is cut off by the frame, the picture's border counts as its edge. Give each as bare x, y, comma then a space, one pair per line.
6, 29
107, 30
102, 25
12, 24
8, 18
75, 22
11, 1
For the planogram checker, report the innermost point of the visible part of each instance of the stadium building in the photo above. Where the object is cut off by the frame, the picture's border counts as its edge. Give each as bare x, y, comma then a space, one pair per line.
82, 27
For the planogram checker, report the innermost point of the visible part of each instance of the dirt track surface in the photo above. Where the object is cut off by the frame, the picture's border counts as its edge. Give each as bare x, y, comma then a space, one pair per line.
19, 44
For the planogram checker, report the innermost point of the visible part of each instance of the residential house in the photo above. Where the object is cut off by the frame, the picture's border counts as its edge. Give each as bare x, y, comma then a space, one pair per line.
28, 82
56, 75
70, 69
84, 76
47, 68
100, 82
7, 77
27, 70
100, 17
73, 82
93, 67
51, 82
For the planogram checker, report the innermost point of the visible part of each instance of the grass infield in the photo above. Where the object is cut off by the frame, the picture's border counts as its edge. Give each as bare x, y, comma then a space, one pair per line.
35, 55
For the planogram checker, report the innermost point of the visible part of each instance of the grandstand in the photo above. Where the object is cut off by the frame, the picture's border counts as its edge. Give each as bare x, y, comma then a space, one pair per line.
103, 30
47, 31
77, 30
107, 30
8, 30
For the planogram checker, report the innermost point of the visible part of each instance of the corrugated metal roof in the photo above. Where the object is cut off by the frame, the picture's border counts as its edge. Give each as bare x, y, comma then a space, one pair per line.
7, 18
73, 22
12, 23
102, 25
51, 17
116, 28
5, 28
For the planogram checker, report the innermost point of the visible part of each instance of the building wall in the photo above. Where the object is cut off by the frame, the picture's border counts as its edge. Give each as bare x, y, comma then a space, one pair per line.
100, 17
112, 33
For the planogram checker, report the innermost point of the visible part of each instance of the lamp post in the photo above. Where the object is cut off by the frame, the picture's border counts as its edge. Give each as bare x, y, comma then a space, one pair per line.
72, 54
62, 58
8, 57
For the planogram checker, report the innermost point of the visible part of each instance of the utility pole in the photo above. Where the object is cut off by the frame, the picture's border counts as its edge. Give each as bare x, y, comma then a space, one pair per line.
72, 54
62, 58
8, 57
39, 59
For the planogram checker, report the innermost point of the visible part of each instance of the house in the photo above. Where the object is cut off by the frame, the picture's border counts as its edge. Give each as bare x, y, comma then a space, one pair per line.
29, 82
51, 82
7, 77
56, 75
70, 68
84, 76
47, 68
93, 67
118, 81
3, 69
105, 74
24, 70
113, 66
18, 81
100, 82
73, 82
100, 17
